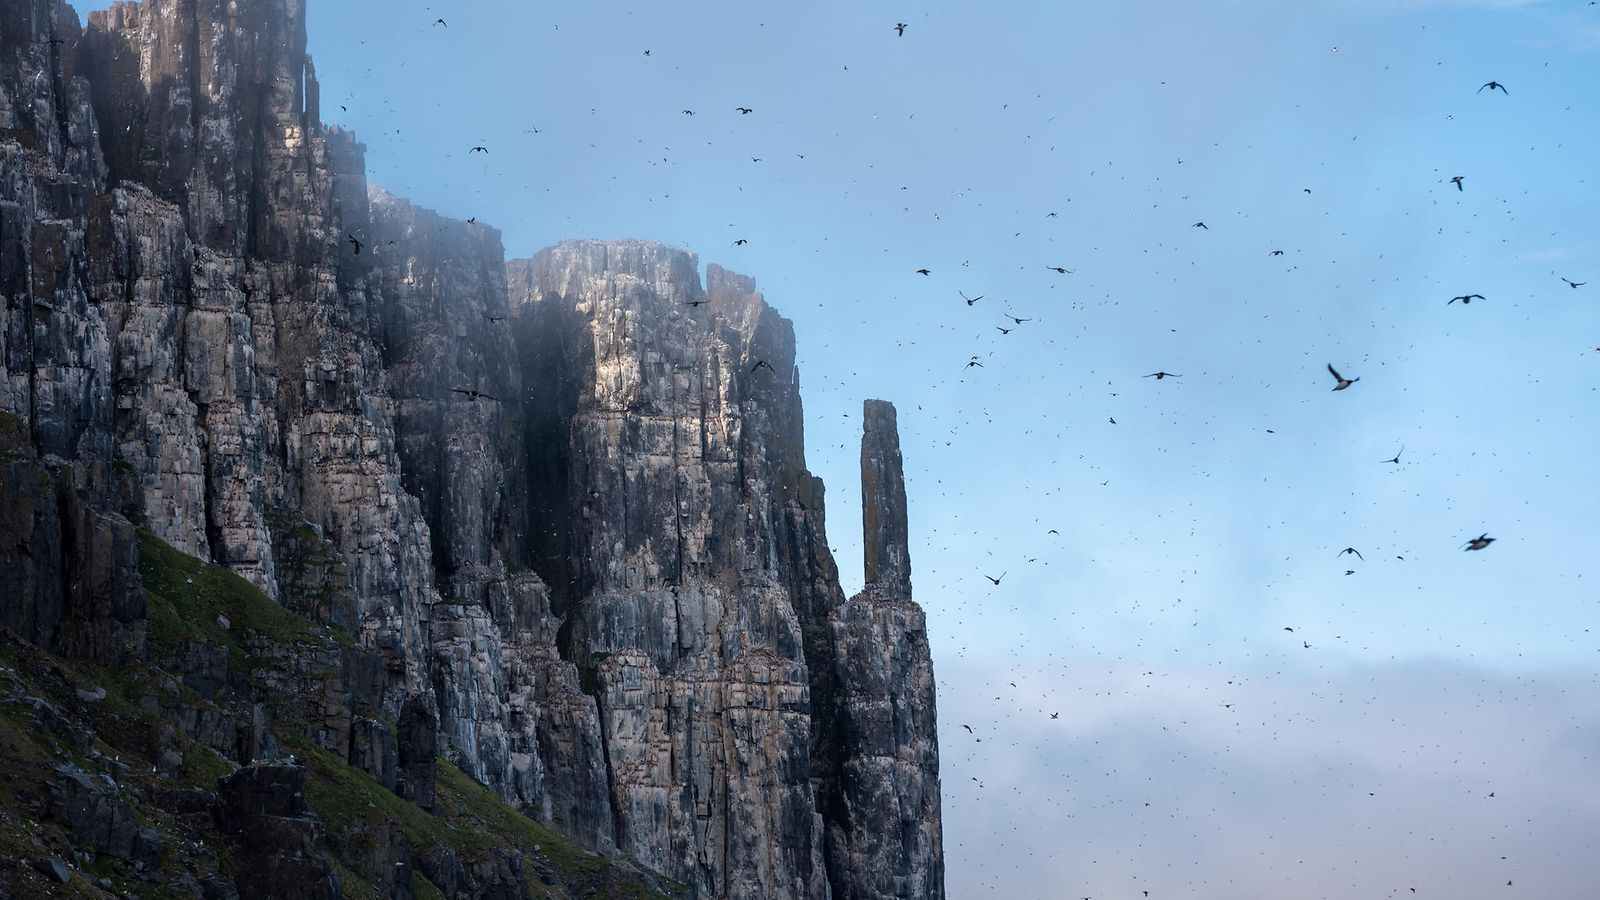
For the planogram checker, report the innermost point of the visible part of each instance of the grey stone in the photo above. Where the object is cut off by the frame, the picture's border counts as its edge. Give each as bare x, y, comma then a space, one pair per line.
55, 870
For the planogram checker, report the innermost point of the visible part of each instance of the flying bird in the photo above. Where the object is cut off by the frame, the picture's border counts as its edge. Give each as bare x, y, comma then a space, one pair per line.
740, 242
1017, 320
493, 318
900, 28
1467, 298
1343, 382
1060, 270
1003, 330
762, 364
1457, 182
968, 728
479, 149
473, 395
1494, 86
688, 112
744, 110
1396, 459
1478, 543
441, 22
924, 272
1199, 225
994, 579
358, 245
1161, 375
1349, 550
1277, 253
1574, 284
971, 300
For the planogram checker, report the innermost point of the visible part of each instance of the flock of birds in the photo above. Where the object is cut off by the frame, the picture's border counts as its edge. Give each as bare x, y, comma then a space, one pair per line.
1016, 323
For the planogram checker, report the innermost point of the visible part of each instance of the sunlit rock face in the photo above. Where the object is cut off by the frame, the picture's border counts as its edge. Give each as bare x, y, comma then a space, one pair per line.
560, 505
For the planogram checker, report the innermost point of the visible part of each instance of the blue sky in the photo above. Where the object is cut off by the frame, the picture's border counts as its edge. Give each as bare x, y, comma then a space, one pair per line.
1209, 517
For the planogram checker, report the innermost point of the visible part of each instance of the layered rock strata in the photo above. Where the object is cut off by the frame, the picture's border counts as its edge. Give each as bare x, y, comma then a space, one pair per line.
560, 506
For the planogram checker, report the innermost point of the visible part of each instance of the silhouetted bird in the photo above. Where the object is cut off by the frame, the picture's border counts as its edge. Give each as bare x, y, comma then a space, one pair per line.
744, 110
1003, 330
1160, 375
1199, 225
1017, 320
924, 272
970, 300
473, 395
1467, 298
479, 149
493, 318
994, 579
968, 728
1343, 382
1277, 253
688, 112
1494, 86
1457, 182
740, 242
1478, 543
358, 245
1059, 269
900, 28
762, 364
441, 22
1349, 550
1396, 459
1574, 284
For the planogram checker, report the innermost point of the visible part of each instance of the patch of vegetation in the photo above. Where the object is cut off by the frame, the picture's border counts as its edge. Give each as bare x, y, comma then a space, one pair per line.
131, 721
187, 595
472, 822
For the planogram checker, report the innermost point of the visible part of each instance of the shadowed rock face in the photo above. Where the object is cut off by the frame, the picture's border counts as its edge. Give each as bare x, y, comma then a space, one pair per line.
883, 500
561, 504
702, 604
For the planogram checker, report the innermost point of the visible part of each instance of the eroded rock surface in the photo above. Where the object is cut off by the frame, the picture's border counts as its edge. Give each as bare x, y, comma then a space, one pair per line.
560, 507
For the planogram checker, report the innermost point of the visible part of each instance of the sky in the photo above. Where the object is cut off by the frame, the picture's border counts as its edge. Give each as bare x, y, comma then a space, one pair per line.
1432, 720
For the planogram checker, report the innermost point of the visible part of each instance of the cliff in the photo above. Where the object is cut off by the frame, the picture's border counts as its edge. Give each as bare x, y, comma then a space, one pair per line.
441, 522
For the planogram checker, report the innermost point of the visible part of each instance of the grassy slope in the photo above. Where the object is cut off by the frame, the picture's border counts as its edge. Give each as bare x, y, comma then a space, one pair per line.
186, 596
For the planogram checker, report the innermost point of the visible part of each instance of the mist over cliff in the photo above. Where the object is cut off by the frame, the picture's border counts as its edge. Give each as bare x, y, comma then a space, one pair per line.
327, 493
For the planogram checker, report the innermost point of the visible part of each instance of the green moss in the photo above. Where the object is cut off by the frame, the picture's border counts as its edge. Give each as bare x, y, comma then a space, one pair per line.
187, 595
204, 766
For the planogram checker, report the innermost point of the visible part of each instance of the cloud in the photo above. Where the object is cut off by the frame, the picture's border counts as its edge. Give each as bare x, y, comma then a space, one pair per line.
1350, 782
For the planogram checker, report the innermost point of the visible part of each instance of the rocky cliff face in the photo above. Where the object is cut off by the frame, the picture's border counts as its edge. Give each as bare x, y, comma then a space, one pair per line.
561, 506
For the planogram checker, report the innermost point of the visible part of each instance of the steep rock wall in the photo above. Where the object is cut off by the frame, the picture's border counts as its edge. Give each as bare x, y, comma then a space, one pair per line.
562, 504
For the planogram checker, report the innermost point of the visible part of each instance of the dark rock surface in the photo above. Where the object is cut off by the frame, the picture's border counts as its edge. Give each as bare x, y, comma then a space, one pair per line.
552, 522
278, 844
